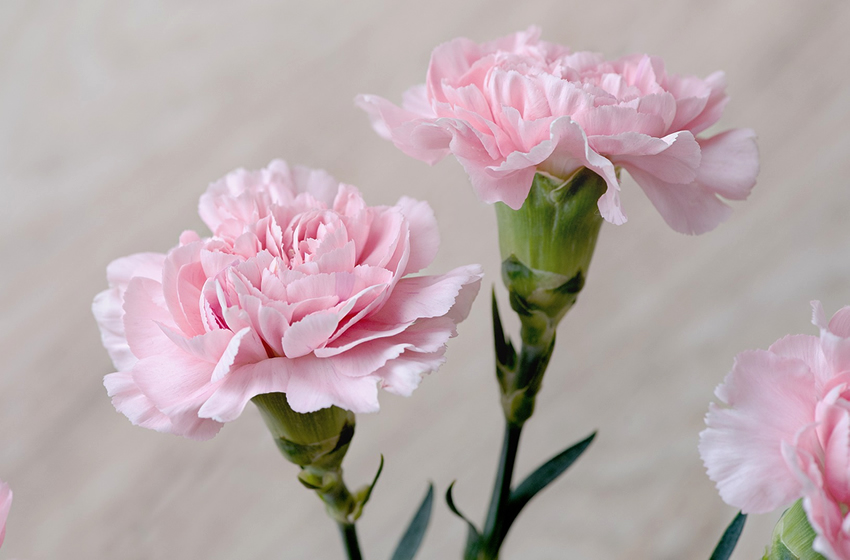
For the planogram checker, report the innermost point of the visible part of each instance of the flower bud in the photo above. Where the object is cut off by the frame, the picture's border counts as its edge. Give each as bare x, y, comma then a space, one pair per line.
793, 537
547, 244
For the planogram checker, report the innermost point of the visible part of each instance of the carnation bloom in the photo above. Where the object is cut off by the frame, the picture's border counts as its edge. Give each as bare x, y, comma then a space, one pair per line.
785, 432
302, 289
5, 505
517, 105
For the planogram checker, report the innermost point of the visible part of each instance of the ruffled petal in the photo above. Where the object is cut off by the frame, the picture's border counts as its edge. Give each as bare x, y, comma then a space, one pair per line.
770, 399
417, 137
129, 400
690, 208
244, 383
730, 163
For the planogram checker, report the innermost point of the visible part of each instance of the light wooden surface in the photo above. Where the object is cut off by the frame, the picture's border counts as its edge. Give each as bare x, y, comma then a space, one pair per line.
114, 116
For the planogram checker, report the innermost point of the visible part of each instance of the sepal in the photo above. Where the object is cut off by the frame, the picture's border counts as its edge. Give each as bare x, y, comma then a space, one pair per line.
793, 537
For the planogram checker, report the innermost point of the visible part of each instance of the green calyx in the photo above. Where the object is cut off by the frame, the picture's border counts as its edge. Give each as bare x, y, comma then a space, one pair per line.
556, 228
793, 537
317, 439
317, 442
547, 245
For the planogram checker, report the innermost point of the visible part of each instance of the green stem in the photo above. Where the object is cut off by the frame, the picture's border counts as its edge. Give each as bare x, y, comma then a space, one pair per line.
495, 528
349, 540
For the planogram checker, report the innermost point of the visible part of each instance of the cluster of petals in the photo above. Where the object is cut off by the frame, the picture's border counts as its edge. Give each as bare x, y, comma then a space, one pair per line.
518, 105
784, 432
5, 505
302, 289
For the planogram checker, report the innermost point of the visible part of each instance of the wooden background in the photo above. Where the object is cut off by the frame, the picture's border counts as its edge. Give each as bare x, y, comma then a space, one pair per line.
115, 115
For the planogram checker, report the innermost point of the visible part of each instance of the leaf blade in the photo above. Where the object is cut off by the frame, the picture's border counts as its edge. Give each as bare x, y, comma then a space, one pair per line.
409, 544
473, 537
730, 538
545, 475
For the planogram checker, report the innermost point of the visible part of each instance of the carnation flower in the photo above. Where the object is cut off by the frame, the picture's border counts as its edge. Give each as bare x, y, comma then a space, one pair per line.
302, 289
785, 432
516, 106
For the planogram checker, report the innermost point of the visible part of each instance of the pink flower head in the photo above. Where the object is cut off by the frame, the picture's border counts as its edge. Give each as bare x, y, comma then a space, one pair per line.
302, 289
785, 432
5, 505
516, 106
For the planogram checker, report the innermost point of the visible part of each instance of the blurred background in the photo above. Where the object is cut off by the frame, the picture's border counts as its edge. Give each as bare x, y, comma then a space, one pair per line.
115, 115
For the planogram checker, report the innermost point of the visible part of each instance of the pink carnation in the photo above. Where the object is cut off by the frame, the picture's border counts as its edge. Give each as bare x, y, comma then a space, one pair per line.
785, 433
303, 289
517, 105
5, 505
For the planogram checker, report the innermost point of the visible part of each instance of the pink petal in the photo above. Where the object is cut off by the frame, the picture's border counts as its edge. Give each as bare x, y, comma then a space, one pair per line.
129, 400
415, 100
836, 348
730, 163
771, 398
182, 280
314, 384
610, 120
839, 325
424, 235
427, 296
243, 384
672, 159
449, 63
715, 103
145, 311
807, 349
108, 306
178, 384
691, 209
402, 375
514, 90
417, 137
571, 151
834, 431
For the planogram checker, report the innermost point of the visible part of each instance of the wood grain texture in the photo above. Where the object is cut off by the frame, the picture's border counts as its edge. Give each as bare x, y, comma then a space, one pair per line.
115, 115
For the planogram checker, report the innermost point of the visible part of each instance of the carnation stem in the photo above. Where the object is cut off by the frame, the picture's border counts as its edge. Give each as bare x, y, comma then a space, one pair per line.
349, 540
496, 525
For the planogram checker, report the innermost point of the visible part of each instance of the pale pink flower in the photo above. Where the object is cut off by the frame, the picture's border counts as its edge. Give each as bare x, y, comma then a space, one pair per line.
517, 105
5, 505
302, 289
785, 433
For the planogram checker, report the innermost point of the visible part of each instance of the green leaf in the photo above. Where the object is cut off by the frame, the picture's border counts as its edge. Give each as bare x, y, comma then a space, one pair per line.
409, 544
730, 538
505, 353
362, 496
473, 537
374, 481
543, 476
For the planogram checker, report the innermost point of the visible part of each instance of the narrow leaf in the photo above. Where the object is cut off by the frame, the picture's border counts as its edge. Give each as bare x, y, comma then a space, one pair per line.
543, 476
730, 538
363, 494
409, 544
473, 537
374, 481
505, 353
